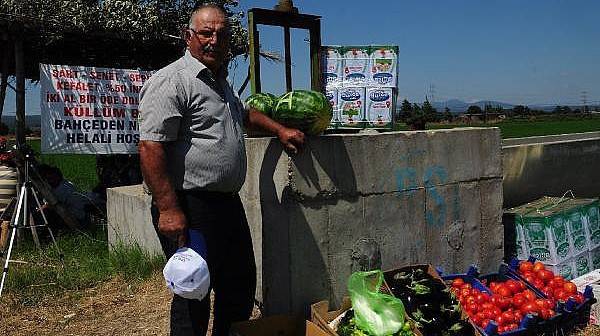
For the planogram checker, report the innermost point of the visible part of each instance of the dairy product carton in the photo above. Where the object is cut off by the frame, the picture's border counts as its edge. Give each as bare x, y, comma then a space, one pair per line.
356, 66
595, 258
546, 237
332, 97
383, 65
522, 252
332, 64
352, 106
591, 222
574, 219
379, 109
582, 264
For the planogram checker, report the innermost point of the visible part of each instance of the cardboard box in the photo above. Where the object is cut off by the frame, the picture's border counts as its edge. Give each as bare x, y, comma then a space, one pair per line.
279, 325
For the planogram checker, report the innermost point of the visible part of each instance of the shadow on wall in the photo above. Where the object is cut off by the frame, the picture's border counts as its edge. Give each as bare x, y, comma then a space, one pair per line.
298, 265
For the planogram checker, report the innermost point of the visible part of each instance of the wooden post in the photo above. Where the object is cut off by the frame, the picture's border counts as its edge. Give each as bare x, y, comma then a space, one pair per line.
254, 42
20, 90
4, 70
288, 58
316, 83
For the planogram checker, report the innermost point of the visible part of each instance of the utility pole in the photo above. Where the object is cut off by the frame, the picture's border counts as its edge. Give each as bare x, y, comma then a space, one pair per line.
432, 93
584, 101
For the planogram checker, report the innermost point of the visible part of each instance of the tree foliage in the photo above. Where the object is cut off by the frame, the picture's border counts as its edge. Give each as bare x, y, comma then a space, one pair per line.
111, 33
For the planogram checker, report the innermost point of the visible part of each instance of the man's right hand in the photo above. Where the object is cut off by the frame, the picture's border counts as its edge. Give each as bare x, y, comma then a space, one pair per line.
172, 223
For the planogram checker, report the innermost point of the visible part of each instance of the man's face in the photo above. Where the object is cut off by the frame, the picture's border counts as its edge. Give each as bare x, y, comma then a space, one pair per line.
208, 41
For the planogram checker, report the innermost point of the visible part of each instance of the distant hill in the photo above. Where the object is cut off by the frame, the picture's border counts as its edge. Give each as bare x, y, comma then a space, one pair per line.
31, 121
458, 106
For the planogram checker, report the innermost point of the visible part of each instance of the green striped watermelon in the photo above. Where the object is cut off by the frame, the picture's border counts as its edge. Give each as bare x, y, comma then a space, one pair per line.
263, 102
308, 111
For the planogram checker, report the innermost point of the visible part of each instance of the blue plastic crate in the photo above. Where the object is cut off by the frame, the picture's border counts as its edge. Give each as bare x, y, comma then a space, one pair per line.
471, 277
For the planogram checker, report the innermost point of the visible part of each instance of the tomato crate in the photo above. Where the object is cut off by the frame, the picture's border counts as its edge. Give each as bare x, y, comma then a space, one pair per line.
485, 324
574, 312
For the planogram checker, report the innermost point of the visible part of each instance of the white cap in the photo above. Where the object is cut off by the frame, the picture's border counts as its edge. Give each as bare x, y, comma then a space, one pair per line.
187, 275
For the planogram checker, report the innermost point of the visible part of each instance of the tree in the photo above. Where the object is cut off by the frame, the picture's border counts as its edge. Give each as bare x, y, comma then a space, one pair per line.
448, 115
474, 109
406, 107
521, 110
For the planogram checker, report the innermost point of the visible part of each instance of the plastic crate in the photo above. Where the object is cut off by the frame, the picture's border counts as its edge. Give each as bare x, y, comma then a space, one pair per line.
571, 314
471, 277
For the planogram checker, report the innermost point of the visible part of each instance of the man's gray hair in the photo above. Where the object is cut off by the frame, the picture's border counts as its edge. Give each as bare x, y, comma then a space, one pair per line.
202, 7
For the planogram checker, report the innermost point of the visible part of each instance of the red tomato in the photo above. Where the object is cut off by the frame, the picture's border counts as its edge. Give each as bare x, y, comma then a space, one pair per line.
512, 326
488, 313
467, 286
529, 273
541, 303
538, 266
513, 286
518, 316
458, 282
570, 287
545, 275
487, 306
525, 266
546, 313
530, 278
472, 307
559, 293
485, 323
538, 283
508, 317
530, 307
504, 291
529, 295
518, 300
500, 320
579, 298
464, 292
559, 281
503, 303
548, 291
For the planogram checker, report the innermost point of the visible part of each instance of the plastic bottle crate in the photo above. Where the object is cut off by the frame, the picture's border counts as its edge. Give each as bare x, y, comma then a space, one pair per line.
574, 315
470, 277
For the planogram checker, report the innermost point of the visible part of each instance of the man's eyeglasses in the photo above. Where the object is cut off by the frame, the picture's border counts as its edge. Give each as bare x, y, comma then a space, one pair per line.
208, 34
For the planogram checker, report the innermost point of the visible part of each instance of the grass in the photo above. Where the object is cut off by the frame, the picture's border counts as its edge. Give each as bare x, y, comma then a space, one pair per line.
541, 126
86, 263
77, 168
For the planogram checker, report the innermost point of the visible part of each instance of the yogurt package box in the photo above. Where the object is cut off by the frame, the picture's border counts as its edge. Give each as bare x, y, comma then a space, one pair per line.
332, 63
379, 109
356, 66
332, 98
383, 65
352, 106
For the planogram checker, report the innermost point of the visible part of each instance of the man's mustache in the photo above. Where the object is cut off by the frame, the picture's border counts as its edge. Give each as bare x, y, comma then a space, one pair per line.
209, 48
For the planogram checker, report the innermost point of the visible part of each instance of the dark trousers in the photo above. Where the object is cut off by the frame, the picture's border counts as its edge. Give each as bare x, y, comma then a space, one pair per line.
222, 221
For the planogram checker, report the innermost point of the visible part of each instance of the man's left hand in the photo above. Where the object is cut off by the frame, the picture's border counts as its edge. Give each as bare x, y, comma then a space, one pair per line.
292, 139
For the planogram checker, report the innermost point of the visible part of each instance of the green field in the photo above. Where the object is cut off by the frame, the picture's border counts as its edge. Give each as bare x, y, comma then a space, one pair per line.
527, 128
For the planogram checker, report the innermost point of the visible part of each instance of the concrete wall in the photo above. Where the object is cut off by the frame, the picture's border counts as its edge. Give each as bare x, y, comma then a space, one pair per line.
410, 197
129, 219
550, 166
349, 202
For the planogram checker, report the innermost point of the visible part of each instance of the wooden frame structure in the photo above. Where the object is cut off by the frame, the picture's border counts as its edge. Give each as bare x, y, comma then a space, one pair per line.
287, 20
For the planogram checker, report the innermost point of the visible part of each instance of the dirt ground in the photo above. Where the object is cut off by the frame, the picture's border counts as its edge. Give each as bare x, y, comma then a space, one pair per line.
112, 308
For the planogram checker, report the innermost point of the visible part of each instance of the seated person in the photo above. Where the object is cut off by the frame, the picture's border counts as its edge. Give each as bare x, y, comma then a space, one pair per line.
66, 193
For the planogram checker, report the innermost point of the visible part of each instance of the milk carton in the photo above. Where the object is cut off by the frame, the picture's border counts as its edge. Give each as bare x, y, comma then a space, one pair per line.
595, 258
546, 237
332, 97
352, 106
574, 219
383, 65
591, 222
356, 66
379, 106
332, 63
582, 264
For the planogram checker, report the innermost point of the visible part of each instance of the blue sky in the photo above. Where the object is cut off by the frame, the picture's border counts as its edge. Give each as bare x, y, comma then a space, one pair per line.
514, 51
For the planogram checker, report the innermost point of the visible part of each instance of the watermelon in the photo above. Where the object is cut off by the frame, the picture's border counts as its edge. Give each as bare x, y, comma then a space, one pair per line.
263, 102
308, 111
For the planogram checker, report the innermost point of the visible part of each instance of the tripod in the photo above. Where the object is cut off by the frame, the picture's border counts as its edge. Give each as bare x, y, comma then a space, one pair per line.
20, 219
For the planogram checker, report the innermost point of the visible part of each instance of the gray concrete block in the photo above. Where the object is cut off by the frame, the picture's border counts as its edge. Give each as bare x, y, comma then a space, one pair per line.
491, 231
129, 218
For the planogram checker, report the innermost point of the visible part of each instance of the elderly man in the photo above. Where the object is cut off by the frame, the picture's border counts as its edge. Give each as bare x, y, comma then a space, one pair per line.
193, 160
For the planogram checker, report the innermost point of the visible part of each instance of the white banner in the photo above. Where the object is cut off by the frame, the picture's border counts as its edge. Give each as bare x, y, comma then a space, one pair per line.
87, 110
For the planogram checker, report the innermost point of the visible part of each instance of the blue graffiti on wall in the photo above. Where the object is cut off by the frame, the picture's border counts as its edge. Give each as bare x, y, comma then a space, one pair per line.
436, 207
